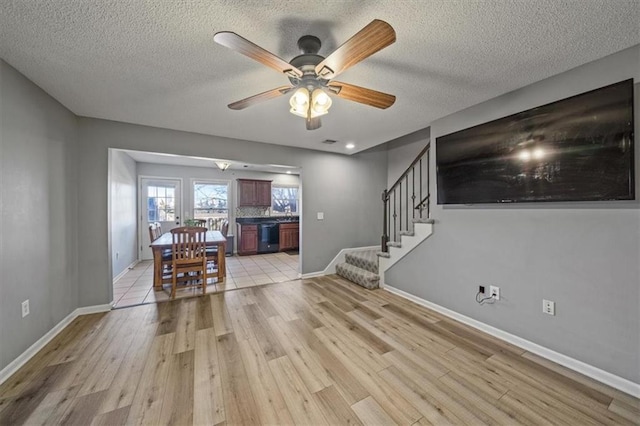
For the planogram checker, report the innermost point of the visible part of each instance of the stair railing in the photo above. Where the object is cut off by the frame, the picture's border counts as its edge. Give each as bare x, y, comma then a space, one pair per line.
406, 198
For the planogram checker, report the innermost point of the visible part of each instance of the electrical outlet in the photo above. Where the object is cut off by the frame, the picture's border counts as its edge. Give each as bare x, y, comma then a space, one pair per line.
495, 292
481, 289
548, 307
25, 308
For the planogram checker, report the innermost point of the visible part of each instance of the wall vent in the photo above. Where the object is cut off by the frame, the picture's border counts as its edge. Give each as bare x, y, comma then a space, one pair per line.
329, 141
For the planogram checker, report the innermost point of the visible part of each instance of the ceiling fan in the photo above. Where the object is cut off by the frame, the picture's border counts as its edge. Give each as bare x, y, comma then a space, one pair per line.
311, 75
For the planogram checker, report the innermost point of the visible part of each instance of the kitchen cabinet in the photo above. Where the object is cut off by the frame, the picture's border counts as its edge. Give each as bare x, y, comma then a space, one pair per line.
247, 239
254, 193
289, 236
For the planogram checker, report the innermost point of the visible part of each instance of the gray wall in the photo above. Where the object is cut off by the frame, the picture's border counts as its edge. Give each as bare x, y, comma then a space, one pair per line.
38, 213
346, 188
402, 151
584, 256
187, 174
123, 207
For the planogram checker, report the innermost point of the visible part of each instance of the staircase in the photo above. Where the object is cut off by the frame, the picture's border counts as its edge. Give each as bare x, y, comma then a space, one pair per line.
406, 225
367, 268
360, 267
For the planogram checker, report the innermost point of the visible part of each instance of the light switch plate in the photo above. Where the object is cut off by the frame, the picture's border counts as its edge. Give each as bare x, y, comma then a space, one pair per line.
320, 215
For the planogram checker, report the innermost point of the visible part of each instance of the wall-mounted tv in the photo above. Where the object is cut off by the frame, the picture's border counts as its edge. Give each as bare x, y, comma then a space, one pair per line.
577, 149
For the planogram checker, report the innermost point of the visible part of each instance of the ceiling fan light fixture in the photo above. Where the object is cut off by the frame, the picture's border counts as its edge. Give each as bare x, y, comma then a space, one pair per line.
320, 103
223, 165
300, 102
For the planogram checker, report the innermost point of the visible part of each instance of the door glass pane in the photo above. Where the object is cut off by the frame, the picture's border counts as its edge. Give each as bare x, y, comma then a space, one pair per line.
161, 203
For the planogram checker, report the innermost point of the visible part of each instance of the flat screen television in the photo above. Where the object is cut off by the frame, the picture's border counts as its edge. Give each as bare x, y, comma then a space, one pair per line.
577, 149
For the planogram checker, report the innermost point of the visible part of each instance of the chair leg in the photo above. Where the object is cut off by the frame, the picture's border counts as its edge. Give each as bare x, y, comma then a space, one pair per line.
204, 277
174, 284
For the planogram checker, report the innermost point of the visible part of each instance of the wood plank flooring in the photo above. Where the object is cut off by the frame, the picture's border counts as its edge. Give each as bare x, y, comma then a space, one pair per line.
312, 352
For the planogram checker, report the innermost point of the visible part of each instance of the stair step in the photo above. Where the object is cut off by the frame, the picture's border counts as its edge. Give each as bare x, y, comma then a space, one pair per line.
358, 275
383, 254
394, 244
366, 260
407, 233
423, 220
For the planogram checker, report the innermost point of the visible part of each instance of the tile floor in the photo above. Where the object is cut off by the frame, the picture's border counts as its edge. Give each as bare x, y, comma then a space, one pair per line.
135, 287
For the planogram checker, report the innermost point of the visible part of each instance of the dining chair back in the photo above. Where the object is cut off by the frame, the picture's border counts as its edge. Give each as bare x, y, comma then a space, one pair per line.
189, 257
152, 232
155, 231
215, 223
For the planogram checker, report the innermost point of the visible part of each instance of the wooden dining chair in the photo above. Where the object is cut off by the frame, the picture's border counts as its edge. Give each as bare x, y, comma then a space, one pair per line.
212, 252
155, 231
189, 258
158, 229
152, 232
215, 223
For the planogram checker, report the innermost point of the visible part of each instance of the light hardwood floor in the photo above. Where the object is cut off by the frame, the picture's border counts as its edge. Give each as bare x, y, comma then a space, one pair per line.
319, 351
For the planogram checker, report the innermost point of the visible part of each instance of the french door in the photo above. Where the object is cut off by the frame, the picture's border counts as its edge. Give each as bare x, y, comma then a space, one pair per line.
160, 201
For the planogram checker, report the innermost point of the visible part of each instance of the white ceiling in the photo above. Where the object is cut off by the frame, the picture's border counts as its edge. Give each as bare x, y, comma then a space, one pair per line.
155, 63
183, 160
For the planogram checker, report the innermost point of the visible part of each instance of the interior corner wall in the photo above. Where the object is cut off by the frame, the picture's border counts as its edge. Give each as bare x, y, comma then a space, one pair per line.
402, 151
38, 213
345, 188
123, 205
585, 256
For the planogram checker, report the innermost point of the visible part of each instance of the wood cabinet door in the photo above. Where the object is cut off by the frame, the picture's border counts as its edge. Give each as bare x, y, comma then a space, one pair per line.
295, 237
246, 193
285, 239
248, 239
289, 236
263, 193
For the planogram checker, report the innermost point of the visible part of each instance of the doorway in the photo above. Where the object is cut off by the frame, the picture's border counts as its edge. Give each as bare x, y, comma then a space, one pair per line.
160, 201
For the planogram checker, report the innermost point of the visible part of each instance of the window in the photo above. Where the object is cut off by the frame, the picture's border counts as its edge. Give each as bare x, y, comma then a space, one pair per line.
161, 203
284, 199
210, 200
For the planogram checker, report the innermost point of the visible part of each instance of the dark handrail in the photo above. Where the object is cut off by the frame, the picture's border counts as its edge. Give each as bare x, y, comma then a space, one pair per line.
393, 222
406, 172
419, 205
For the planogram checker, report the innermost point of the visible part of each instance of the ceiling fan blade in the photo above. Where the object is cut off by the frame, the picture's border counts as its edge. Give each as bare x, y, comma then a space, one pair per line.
235, 42
313, 123
365, 96
264, 96
372, 38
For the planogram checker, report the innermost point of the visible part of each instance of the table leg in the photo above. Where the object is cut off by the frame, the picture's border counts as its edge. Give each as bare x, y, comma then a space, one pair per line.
222, 269
157, 269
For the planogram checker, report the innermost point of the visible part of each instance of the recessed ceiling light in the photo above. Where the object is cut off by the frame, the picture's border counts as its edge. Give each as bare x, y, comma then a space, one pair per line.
288, 172
350, 146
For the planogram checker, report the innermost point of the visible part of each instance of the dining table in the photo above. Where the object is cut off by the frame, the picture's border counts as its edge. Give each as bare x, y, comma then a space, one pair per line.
165, 242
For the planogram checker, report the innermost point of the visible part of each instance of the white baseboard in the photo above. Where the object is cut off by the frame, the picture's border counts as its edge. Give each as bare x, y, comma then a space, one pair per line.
22, 359
121, 274
595, 373
312, 274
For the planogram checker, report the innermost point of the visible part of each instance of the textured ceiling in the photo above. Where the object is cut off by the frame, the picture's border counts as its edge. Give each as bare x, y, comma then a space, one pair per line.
155, 62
